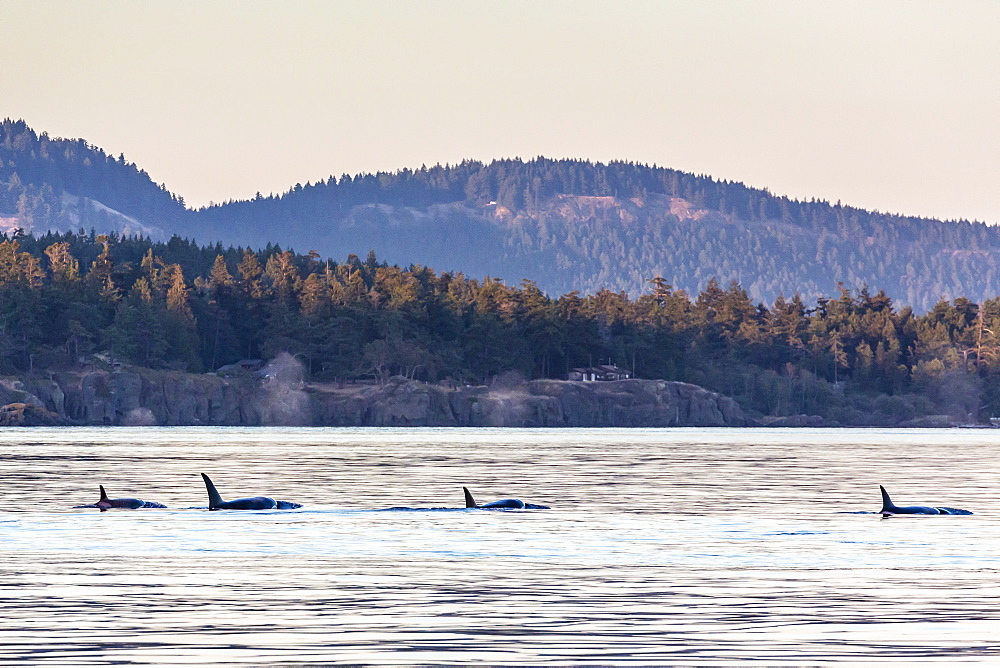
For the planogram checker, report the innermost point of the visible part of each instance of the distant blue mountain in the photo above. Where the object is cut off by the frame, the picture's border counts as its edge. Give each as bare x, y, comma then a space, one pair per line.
566, 224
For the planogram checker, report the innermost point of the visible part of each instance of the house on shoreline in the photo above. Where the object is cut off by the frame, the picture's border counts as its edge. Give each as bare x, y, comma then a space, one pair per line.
598, 373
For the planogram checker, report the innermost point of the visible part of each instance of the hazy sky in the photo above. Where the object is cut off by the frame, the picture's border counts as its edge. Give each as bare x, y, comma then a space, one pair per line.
887, 105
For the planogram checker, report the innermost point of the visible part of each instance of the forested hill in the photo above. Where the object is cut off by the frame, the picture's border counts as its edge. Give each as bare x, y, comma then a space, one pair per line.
566, 224
67, 184
574, 225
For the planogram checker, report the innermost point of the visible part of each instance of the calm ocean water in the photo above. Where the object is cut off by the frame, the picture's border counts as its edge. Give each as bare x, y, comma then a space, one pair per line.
662, 546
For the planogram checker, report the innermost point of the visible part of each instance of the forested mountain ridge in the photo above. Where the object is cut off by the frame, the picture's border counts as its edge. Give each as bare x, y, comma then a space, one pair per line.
566, 224
571, 225
51, 184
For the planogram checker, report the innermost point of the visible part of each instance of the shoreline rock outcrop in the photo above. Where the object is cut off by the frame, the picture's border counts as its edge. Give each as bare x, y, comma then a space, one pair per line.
133, 396
28, 415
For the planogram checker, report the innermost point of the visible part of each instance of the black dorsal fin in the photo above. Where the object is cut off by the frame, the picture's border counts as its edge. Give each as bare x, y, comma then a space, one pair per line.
214, 498
469, 501
887, 504
104, 495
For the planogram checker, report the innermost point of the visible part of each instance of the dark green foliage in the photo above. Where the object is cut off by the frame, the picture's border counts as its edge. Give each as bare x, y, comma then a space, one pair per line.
854, 358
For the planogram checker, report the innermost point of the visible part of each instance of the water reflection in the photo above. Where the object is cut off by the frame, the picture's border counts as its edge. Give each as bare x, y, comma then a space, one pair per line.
661, 546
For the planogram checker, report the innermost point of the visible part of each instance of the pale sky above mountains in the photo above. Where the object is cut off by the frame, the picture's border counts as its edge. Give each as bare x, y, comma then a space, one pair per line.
891, 105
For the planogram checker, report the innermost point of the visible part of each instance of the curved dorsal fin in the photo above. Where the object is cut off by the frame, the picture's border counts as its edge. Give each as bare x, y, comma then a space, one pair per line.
887, 503
104, 495
469, 501
214, 498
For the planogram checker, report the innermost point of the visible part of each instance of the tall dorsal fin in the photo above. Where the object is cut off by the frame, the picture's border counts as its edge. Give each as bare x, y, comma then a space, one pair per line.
887, 503
469, 501
104, 495
214, 498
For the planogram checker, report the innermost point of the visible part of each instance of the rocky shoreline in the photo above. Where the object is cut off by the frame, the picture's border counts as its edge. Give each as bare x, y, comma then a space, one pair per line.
133, 396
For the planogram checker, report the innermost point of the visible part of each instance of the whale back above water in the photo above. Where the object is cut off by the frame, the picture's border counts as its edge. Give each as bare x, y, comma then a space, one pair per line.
106, 503
511, 504
890, 508
215, 501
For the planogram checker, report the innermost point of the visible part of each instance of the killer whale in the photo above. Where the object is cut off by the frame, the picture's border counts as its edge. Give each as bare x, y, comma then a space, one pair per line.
106, 504
215, 501
512, 504
889, 508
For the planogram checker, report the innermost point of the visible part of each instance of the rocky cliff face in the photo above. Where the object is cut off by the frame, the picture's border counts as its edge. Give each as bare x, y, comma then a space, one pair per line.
144, 397
137, 398
539, 403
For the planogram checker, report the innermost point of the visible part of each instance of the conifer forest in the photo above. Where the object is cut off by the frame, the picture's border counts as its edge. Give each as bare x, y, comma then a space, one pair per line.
852, 356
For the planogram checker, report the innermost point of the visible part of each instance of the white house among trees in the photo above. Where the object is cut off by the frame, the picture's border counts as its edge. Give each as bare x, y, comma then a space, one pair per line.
600, 372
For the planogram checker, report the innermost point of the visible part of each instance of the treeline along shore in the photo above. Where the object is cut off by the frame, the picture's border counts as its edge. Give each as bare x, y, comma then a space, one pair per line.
75, 306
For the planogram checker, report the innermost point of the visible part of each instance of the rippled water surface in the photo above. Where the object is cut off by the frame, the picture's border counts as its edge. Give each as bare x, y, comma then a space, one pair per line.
662, 546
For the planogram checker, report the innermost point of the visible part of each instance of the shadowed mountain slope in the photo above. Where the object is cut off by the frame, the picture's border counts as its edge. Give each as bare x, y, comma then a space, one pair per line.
566, 224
